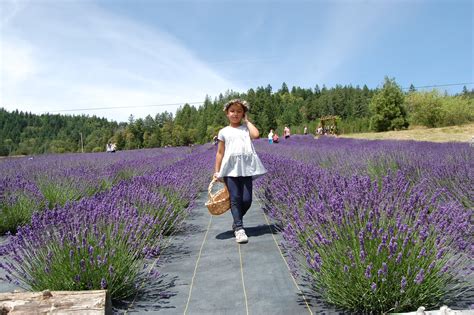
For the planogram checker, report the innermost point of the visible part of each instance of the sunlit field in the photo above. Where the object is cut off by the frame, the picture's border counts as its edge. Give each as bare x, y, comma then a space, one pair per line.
461, 133
371, 225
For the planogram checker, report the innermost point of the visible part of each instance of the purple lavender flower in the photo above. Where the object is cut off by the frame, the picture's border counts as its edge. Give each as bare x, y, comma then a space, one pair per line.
103, 284
420, 276
403, 283
373, 286
440, 253
399, 257
422, 253
368, 271
380, 273
384, 268
424, 233
102, 241
82, 263
362, 239
392, 246
351, 256
431, 266
380, 248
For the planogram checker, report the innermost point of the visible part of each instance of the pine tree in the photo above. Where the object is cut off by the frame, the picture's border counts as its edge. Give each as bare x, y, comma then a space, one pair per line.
388, 112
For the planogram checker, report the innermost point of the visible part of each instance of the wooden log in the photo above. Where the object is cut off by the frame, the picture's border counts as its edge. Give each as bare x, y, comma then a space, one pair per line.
95, 302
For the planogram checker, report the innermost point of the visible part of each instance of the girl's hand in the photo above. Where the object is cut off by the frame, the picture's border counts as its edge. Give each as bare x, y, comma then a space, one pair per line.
214, 177
245, 118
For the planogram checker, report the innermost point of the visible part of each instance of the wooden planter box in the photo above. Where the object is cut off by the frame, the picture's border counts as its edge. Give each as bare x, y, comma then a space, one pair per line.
56, 302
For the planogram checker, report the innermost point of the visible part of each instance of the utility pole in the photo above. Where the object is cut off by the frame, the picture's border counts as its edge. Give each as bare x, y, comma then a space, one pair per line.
82, 143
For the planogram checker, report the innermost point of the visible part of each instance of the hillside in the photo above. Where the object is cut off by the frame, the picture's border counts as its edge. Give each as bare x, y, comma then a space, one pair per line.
463, 133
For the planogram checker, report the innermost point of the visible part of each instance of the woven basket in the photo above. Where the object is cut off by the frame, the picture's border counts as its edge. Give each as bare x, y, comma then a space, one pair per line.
219, 202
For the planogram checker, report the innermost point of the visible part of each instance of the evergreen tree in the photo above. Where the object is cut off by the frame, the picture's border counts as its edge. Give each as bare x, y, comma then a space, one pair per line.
388, 112
284, 89
465, 91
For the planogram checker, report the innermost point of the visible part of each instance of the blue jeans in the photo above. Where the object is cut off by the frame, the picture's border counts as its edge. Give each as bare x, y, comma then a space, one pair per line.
240, 190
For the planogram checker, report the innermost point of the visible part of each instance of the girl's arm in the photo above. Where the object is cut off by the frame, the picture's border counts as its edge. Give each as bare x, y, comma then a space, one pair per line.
254, 134
219, 156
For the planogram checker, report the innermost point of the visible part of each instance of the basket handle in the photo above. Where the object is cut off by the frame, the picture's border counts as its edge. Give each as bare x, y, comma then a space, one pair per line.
211, 184
209, 189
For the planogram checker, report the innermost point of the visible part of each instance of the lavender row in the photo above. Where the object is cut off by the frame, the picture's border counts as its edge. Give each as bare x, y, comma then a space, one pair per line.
373, 239
33, 184
102, 240
440, 165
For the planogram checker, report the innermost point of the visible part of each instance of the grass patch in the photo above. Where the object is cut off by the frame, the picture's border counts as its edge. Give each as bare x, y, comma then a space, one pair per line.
463, 133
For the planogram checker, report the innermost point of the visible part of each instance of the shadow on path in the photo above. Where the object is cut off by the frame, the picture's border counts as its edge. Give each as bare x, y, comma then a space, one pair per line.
253, 231
154, 297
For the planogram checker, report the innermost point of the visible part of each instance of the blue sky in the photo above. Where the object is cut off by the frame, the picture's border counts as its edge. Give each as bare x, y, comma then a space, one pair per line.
58, 55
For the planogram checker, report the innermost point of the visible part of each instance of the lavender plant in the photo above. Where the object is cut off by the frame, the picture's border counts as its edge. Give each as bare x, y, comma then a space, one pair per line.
19, 198
100, 246
370, 246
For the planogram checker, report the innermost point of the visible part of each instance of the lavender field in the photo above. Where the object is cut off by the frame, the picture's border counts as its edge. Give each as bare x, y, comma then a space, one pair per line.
371, 225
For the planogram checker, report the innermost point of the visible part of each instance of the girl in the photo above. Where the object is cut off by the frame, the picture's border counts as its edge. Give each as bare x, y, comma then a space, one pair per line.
237, 162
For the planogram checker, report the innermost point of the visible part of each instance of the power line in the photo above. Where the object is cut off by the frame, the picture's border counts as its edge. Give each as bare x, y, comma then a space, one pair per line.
439, 85
117, 107
199, 103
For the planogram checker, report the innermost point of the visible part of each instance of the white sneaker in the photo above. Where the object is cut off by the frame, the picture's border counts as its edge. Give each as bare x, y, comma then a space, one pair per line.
240, 236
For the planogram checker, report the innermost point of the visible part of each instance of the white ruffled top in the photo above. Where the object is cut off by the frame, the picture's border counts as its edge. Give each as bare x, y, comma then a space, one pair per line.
240, 158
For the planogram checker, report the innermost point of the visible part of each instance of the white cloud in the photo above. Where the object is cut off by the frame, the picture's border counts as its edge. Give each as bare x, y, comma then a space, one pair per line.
73, 55
16, 61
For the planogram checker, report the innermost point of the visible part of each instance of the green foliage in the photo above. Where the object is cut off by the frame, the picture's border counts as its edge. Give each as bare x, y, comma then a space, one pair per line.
170, 216
16, 212
57, 193
354, 270
457, 110
354, 125
378, 290
425, 108
25, 133
67, 268
388, 112
431, 109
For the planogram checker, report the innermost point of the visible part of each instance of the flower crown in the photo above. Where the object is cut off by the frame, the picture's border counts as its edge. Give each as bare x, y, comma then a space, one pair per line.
244, 104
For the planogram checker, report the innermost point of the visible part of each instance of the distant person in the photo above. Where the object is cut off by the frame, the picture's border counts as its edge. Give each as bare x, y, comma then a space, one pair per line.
237, 163
108, 147
286, 132
320, 130
270, 136
113, 147
276, 139
305, 130
215, 140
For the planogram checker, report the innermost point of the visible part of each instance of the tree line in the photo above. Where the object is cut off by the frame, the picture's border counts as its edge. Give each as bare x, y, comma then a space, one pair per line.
358, 109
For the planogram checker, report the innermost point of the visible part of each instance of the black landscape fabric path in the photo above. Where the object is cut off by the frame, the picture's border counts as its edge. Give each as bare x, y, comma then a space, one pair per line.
207, 272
